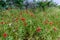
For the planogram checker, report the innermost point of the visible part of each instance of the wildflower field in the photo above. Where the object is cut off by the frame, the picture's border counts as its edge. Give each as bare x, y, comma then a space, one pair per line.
18, 24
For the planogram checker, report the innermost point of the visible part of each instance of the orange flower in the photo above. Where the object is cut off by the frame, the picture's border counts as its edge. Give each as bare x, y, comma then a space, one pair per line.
51, 23
4, 35
38, 29
23, 19
55, 29
2, 23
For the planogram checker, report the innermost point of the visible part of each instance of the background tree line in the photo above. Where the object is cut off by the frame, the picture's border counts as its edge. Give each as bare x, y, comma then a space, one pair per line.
20, 4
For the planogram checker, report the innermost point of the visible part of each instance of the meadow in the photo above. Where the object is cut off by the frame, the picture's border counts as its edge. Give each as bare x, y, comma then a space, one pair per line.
16, 24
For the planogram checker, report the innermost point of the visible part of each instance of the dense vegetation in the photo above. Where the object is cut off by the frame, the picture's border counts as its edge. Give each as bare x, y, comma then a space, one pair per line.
18, 24
30, 21
20, 4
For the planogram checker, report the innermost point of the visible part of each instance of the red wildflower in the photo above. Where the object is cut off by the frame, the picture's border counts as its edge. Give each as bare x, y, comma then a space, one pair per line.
4, 35
54, 28
2, 23
23, 19
38, 29
51, 23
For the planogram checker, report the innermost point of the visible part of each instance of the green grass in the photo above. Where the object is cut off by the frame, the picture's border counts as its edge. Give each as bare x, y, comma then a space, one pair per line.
18, 24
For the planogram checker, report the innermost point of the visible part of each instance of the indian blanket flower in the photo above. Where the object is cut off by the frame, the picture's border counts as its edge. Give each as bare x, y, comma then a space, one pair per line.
38, 29
54, 29
2, 22
4, 35
23, 19
51, 23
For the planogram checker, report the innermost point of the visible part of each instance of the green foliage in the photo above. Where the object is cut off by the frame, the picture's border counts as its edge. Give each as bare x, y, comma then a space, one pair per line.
2, 4
19, 3
16, 24
46, 4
